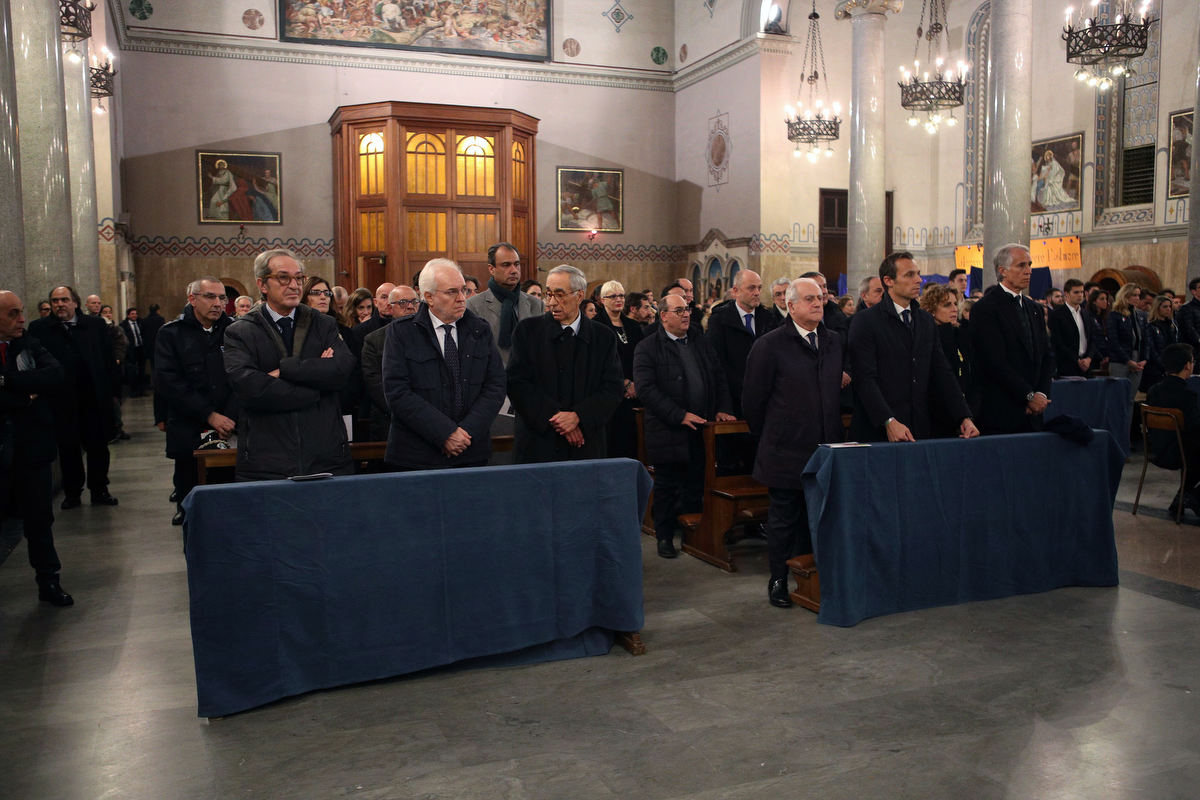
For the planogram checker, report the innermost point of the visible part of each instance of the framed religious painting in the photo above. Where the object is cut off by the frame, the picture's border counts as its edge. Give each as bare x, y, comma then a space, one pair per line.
591, 199
1056, 174
500, 28
241, 188
1180, 154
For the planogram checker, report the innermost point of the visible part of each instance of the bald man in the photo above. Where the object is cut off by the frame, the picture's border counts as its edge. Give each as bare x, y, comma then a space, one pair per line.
734, 327
381, 317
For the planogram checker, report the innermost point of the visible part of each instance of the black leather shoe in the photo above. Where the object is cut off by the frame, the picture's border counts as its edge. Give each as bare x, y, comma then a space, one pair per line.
777, 593
103, 499
174, 498
70, 502
666, 548
51, 592
178, 518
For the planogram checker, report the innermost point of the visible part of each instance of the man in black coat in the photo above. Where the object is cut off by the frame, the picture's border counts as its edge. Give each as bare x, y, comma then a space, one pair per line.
900, 370
28, 375
1010, 352
379, 318
190, 377
1172, 392
681, 385
83, 407
442, 377
135, 354
404, 301
1070, 327
733, 329
287, 365
150, 328
1188, 316
834, 318
564, 377
793, 383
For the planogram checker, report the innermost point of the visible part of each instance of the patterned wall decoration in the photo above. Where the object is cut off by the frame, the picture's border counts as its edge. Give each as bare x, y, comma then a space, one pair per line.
141, 9
617, 15
770, 243
106, 229
659, 55
584, 251
571, 47
973, 130
718, 149
922, 237
1177, 211
234, 246
1141, 95
253, 19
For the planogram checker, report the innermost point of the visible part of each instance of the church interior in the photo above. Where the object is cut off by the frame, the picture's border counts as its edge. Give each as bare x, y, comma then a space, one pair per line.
642, 141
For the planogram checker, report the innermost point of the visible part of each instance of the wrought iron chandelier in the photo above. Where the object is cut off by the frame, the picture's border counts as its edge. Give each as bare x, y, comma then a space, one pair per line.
75, 24
101, 77
943, 90
817, 122
1103, 45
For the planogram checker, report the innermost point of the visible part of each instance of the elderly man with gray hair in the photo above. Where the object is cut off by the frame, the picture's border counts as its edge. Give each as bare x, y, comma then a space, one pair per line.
778, 299
442, 378
287, 364
564, 377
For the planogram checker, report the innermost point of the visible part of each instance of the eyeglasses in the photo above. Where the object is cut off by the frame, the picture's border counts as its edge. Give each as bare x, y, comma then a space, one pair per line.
209, 296
559, 294
679, 311
453, 292
284, 278
319, 292
406, 303
612, 297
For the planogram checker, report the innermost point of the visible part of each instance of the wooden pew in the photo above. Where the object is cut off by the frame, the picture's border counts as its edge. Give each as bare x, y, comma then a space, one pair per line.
363, 453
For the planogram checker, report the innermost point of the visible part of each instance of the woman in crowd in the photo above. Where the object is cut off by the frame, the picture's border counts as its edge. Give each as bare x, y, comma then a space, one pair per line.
1098, 305
622, 429
588, 308
846, 304
1159, 333
940, 301
318, 295
1126, 339
359, 306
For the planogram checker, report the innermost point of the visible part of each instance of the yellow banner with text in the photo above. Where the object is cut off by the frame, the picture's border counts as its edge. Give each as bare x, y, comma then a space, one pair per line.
1059, 252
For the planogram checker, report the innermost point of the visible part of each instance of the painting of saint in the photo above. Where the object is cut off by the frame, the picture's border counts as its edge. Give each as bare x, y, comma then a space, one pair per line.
1056, 170
1181, 154
591, 199
504, 28
239, 187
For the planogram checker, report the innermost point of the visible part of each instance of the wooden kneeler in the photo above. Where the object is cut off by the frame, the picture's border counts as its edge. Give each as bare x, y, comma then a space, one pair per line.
808, 582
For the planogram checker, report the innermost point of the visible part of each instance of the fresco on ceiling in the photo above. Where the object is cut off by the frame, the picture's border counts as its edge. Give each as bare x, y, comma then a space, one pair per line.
503, 28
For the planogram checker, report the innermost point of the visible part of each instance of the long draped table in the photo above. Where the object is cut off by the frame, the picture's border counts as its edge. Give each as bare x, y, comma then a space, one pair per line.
297, 586
898, 527
1100, 402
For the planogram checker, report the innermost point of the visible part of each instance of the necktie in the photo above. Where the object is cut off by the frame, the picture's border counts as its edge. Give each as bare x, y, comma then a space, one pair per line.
137, 334
285, 330
1023, 324
812, 340
750, 322
3, 354
906, 315
682, 340
450, 352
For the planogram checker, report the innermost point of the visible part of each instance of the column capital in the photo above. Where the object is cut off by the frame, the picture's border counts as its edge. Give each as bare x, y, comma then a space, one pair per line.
856, 8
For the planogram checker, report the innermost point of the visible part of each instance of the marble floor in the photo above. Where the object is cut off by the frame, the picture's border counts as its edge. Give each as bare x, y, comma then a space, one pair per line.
1076, 693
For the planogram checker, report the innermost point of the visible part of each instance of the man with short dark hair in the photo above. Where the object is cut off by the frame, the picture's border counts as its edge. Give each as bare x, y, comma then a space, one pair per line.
443, 378
190, 376
681, 384
1053, 298
471, 286
502, 305
29, 375
1178, 362
900, 370
83, 409
1188, 317
959, 279
1071, 325
287, 365
404, 303
640, 309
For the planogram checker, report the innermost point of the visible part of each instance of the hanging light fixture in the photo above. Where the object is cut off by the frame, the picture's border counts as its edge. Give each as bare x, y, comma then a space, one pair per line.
1103, 45
75, 25
101, 77
937, 92
817, 122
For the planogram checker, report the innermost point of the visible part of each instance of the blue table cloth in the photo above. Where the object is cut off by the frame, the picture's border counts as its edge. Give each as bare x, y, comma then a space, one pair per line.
898, 527
297, 586
1100, 402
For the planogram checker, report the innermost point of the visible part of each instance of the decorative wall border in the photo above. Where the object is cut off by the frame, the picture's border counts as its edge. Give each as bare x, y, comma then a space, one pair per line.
232, 247
583, 251
106, 229
974, 129
1126, 215
1177, 211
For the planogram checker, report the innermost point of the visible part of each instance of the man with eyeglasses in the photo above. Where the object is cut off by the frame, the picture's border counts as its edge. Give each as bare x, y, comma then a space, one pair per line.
287, 365
778, 303
681, 385
564, 377
189, 374
382, 316
404, 302
442, 378
502, 305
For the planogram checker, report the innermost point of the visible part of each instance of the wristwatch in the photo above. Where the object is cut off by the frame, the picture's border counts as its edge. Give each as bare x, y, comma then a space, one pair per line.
1029, 397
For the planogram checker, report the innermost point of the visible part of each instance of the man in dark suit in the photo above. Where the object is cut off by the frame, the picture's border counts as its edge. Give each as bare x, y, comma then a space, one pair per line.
442, 377
900, 371
1188, 316
733, 329
380, 317
564, 377
83, 408
779, 300
404, 302
135, 353
1010, 352
150, 326
793, 383
503, 304
1070, 326
682, 386
1172, 392
28, 375
835, 319
190, 377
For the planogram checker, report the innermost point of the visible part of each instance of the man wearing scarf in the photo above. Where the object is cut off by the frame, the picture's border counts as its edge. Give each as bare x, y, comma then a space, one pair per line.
503, 305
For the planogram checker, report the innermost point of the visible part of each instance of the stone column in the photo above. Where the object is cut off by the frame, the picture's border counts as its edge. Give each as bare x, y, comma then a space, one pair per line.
12, 232
42, 120
866, 235
82, 170
1194, 196
1009, 102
